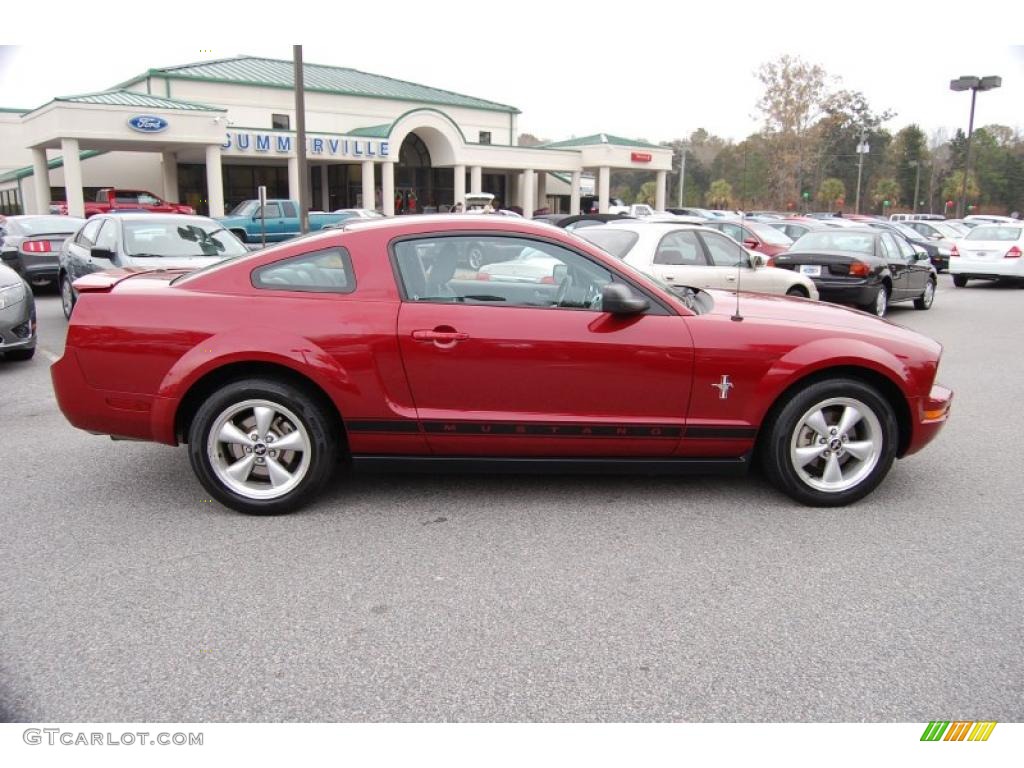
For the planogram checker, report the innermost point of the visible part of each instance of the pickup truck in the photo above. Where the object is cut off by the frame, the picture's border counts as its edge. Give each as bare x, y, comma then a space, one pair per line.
110, 199
282, 220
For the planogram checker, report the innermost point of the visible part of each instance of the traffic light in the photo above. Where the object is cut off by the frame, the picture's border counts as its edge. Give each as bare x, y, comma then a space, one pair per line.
970, 208
886, 203
807, 195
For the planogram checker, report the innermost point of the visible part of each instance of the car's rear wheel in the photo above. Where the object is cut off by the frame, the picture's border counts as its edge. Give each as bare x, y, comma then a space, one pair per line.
925, 300
960, 281
67, 295
832, 443
881, 303
796, 290
262, 446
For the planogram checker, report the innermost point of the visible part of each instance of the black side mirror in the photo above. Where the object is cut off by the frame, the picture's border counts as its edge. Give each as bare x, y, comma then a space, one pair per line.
101, 253
619, 299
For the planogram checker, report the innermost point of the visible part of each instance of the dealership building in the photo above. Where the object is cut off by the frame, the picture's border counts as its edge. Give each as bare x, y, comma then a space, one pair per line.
210, 133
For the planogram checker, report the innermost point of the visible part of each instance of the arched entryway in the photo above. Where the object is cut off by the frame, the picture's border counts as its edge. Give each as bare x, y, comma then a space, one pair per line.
419, 186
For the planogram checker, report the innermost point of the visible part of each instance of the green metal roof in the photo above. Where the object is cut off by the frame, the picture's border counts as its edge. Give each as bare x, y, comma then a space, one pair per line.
123, 98
57, 162
599, 138
278, 73
373, 131
14, 110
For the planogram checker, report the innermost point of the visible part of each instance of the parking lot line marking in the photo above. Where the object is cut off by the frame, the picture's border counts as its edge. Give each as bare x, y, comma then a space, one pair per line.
52, 357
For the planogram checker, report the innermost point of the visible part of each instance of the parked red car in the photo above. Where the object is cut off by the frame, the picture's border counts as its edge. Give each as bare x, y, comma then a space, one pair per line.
755, 235
376, 345
108, 200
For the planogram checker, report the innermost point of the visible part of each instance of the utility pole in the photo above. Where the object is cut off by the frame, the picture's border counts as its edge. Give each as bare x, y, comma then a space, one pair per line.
973, 84
917, 181
300, 139
862, 149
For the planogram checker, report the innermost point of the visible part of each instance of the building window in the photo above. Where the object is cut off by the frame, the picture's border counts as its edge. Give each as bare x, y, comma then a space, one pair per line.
280, 122
485, 137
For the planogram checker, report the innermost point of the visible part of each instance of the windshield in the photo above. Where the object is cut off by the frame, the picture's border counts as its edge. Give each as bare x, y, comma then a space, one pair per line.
945, 229
245, 208
177, 238
769, 234
617, 242
1005, 234
836, 240
44, 225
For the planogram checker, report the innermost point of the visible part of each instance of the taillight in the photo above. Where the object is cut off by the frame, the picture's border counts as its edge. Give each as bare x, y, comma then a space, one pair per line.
769, 261
954, 251
550, 279
859, 269
43, 246
1013, 253
482, 276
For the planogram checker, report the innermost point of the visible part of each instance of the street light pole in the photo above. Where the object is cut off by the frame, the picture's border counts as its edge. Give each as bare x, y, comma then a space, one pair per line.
300, 139
682, 176
862, 149
972, 84
917, 180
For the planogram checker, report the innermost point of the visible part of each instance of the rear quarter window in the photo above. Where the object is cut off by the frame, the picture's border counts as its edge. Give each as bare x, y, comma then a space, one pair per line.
326, 271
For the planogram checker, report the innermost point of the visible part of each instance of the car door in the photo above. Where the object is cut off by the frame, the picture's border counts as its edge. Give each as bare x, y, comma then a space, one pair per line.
899, 266
918, 270
275, 224
80, 249
731, 266
678, 259
519, 369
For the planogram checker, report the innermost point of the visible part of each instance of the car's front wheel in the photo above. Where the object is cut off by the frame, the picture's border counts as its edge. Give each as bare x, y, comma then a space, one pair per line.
832, 443
67, 295
262, 446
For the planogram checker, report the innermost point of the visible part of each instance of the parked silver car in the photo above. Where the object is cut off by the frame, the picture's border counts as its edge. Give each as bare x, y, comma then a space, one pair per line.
17, 317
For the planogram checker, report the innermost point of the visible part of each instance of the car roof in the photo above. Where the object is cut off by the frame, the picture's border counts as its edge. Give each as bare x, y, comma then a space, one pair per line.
144, 216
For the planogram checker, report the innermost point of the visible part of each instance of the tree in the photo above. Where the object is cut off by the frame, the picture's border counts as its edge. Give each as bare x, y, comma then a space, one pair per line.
831, 189
720, 194
529, 140
886, 191
909, 146
954, 187
646, 193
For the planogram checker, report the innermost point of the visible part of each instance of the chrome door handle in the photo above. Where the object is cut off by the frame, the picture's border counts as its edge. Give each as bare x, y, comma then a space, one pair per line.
440, 336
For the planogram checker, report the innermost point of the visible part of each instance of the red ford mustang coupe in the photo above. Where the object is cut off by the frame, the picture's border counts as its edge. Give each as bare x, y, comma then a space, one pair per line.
381, 347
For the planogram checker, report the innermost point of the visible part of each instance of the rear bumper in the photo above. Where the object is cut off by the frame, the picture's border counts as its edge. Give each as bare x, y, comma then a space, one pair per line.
930, 415
857, 292
39, 272
990, 268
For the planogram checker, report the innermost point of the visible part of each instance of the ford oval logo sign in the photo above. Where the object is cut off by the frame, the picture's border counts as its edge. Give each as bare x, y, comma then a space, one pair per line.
148, 123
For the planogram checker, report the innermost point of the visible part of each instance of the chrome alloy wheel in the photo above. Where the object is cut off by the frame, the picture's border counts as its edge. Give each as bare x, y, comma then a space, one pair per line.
259, 449
67, 296
836, 444
929, 294
881, 301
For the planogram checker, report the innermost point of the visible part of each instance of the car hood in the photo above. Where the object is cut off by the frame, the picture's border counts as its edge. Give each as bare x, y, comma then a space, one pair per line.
807, 313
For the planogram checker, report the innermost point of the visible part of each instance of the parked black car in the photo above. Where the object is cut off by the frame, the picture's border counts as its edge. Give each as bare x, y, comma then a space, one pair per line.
938, 252
866, 267
30, 245
589, 220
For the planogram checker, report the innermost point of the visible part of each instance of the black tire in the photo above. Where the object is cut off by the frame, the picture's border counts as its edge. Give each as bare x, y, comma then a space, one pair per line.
789, 432
926, 299
67, 295
880, 305
20, 354
796, 290
241, 234
960, 281
294, 402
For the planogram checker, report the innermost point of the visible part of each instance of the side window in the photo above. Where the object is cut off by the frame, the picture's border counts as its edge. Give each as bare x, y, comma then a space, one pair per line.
87, 236
326, 271
680, 248
289, 210
889, 249
906, 249
736, 233
498, 271
723, 251
108, 236
272, 211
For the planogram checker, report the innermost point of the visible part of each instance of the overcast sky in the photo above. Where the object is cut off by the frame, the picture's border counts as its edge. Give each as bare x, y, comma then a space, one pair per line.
633, 69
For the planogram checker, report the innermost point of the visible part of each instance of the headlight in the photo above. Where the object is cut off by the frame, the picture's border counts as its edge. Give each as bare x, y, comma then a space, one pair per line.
11, 295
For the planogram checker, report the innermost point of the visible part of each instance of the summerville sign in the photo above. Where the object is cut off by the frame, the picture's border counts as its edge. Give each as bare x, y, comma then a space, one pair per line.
284, 144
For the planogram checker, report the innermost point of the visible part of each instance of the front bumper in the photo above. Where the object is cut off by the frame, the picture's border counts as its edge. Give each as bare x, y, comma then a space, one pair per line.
990, 268
930, 415
18, 325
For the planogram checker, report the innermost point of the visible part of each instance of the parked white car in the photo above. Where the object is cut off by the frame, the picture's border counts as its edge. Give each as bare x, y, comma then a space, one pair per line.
359, 213
637, 210
695, 256
989, 252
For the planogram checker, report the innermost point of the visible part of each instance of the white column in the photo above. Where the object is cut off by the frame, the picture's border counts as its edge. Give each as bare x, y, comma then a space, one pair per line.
73, 177
169, 170
41, 182
603, 179
476, 179
542, 189
368, 186
387, 184
659, 191
460, 184
325, 187
214, 181
293, 178
528, 189
574, 195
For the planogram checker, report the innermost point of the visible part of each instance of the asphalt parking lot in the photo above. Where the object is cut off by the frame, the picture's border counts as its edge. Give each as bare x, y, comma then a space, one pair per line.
127, 596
